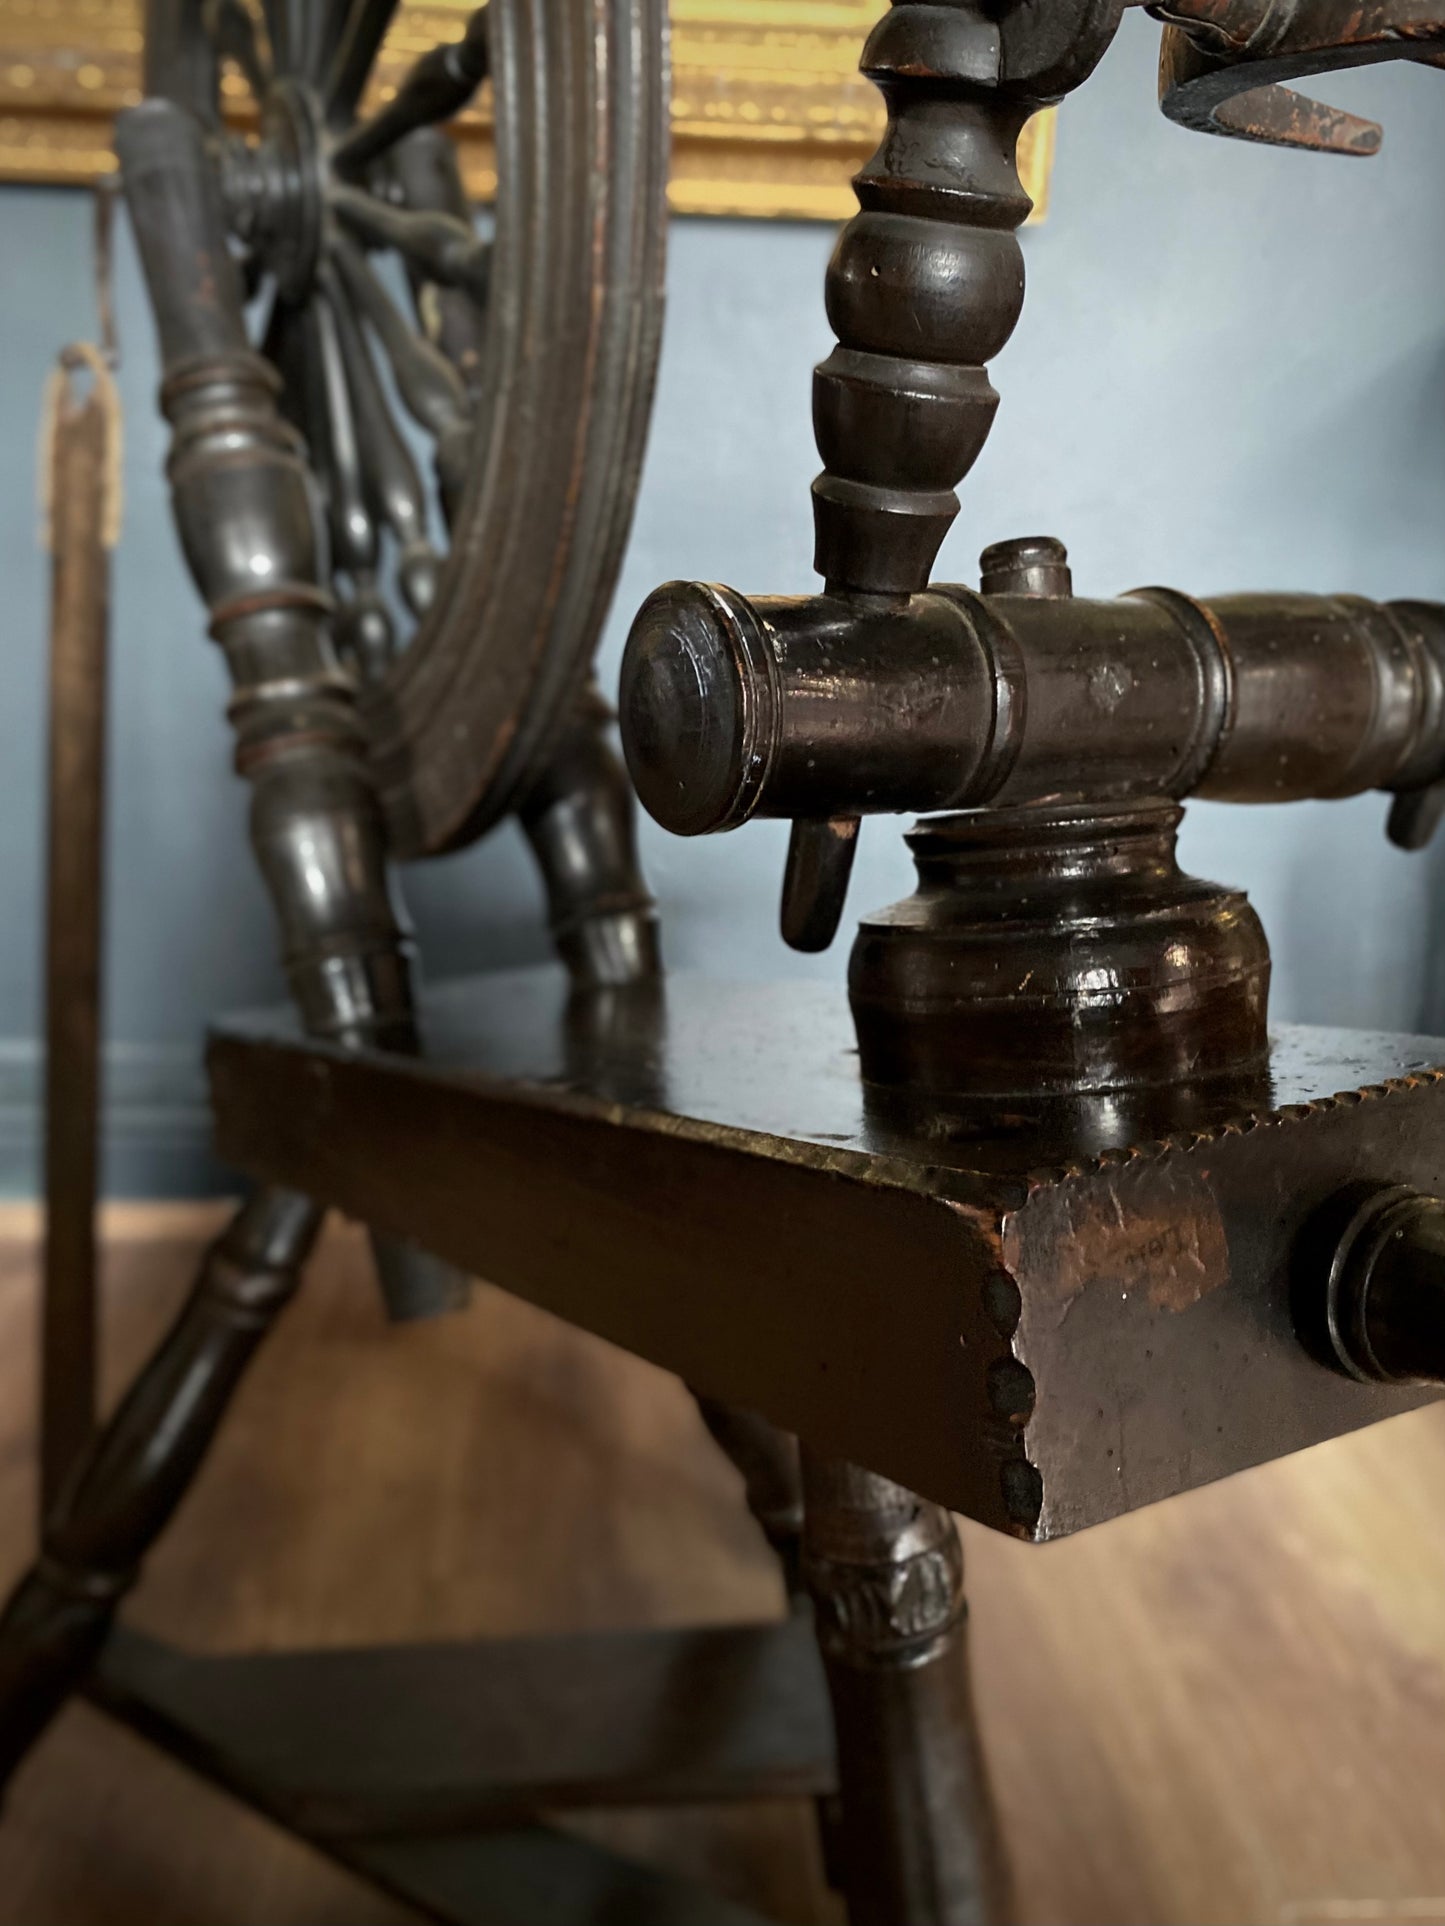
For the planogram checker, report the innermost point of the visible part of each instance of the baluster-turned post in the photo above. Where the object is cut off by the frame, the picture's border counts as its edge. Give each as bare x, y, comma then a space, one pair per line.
926, 283
250, 523
925, 286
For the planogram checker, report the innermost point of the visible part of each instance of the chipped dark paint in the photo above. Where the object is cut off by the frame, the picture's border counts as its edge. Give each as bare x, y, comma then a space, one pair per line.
1149, 1229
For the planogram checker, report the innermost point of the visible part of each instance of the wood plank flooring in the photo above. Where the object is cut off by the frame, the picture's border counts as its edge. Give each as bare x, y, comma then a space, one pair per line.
1226, 1711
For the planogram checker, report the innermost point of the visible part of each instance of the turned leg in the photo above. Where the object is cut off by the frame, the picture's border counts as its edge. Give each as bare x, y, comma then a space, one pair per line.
249, 516
767, 1460
580, 818
129, 1482
918, 1843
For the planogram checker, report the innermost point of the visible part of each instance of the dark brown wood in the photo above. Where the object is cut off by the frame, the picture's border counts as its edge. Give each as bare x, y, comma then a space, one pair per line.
358, 43
1053, 943
140, 1464
1057, 950
767, 1460
1041, 1314
455, 1738
438, 87
1168, 1706
813, 707
580, 820
248, 513
919, 1837
540, 1875
82, 487
246, 506
884, 695
425, 164
564, 309
1057, 1242
1381, 1315
926, 284
1223, 63
474, 708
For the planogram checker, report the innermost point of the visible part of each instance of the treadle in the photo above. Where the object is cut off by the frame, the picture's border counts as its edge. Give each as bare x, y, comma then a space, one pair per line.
353, 1746
533, 1877
1042, 1319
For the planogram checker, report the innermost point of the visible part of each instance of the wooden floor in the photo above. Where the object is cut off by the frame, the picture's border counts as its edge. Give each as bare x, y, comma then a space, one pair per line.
1228, 1709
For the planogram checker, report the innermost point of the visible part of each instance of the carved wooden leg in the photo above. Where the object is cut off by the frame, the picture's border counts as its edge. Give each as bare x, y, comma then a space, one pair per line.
580, 818
250, 523
919, 1841
130, 1481
768, 1461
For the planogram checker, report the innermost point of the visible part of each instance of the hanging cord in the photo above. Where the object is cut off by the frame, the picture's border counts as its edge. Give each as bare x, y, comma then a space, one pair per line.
80, 511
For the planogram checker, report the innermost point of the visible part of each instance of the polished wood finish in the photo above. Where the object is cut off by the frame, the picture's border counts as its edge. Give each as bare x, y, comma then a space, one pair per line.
247, 510
885, 694
1047, 1315
536, 435
926, 283
1057, 951
1220, 1709
810, 707
248, 514
81, 486
1052, 1248
578, 816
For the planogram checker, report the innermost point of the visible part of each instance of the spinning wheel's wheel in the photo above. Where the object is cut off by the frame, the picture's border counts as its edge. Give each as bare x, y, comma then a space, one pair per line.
525, 356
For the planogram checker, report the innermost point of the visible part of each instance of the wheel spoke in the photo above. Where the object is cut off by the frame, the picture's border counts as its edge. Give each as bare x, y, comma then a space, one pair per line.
180, 65
424, 169
365, 632
439, 246
392, 482
353, 530
327, 37
354, 56
286, 27
232, 26
284, 346
436, 87
431, 390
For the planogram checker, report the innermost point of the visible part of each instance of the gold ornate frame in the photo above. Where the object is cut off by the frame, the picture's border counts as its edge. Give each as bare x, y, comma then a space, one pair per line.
769, 114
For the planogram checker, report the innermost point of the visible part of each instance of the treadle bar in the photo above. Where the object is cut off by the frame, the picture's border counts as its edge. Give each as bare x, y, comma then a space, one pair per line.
350, 1746
532, 1877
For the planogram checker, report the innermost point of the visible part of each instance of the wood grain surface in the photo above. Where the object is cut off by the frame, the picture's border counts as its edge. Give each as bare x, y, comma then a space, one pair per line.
1230, 1708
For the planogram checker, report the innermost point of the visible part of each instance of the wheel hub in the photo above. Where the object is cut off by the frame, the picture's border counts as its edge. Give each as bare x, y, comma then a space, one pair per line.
275, 190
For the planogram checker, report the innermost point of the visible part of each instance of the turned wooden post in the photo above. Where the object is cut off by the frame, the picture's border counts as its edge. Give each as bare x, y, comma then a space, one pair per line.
581, 821
926, 283
127, 1485
249, 519
248, 512
918, 1841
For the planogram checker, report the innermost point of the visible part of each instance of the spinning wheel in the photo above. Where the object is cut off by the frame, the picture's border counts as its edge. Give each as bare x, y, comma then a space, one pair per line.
1065, 1092
470, 584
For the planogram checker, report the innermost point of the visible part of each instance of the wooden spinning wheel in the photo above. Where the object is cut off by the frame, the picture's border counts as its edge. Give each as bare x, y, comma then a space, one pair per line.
470, 583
